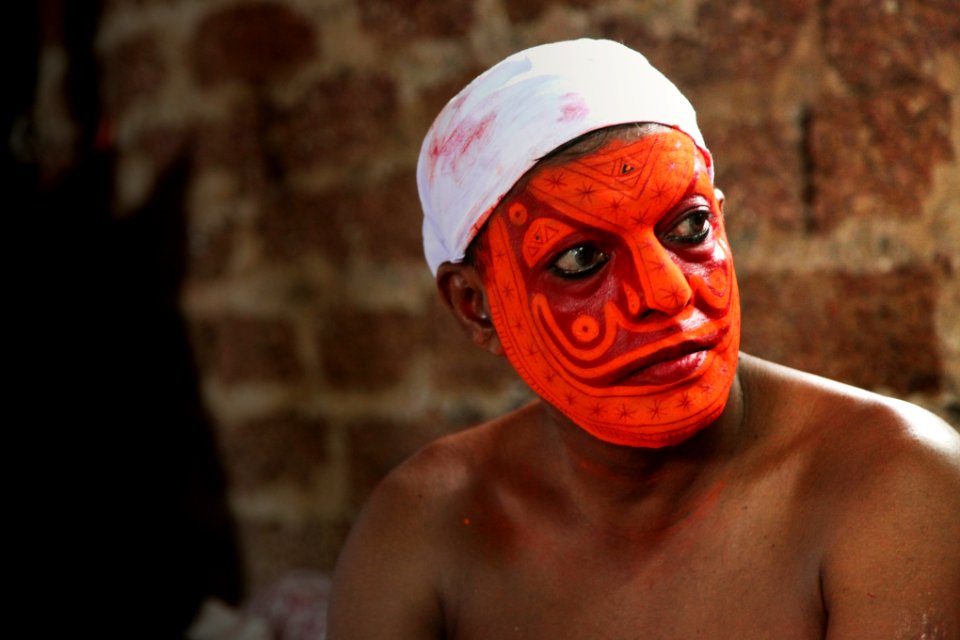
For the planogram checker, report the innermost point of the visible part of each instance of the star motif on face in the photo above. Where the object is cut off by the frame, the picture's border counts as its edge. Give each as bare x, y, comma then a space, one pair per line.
508, 291
655, 410
614, 206
549, 376
659, 190
500, 254
556, 181
531, 350
638, 219
705, 387
625, 412
674, 295
685, 402
658, 265
596, 410
586, 192
518, 326
570, 398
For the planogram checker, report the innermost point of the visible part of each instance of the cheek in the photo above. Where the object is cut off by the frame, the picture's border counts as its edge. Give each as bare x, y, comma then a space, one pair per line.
712, 267
576, 308
717, 275
572, 296
710, 272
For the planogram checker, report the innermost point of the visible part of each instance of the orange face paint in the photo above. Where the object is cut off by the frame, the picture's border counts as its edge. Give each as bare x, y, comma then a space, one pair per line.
612, 289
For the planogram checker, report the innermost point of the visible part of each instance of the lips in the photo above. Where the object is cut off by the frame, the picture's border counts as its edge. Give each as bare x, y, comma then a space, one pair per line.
667, 371
670, 364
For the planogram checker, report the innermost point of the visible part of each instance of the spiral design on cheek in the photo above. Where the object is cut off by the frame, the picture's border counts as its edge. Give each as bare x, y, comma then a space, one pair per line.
585, 329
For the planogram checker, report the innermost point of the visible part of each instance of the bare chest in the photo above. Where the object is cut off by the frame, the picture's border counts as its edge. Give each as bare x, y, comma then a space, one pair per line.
744, 569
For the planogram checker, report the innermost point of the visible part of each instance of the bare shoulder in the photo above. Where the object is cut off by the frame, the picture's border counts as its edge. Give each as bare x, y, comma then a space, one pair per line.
866, 430
392, 571
863, 451
883, 481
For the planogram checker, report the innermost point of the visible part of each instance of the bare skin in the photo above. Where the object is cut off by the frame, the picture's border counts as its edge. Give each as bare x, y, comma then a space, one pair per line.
808, 510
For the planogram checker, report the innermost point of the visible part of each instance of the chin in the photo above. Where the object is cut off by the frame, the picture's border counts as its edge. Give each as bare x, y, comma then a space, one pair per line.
649, 436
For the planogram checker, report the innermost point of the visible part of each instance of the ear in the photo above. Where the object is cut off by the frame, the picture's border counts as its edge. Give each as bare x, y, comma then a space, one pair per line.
720, 198
461, 288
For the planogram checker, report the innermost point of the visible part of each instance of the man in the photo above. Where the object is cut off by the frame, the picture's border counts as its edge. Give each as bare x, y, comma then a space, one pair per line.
664, 486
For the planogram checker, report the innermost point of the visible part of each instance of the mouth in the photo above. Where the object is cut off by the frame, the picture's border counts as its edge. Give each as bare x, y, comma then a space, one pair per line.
671, 364
668, 370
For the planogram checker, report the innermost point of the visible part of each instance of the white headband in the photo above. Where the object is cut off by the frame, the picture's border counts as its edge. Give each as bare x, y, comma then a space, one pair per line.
497, 128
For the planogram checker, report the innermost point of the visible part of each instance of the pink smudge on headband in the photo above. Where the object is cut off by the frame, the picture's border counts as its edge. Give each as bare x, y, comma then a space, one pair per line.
457, 143
573, 108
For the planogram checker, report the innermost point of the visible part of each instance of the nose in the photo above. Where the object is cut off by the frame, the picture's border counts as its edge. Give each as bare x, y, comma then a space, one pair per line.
662, 286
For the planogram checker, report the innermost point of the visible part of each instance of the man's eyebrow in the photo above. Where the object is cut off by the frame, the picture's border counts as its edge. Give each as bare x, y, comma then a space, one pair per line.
693, 188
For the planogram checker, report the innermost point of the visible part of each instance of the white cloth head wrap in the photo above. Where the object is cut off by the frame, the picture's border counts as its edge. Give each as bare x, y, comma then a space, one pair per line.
497, 128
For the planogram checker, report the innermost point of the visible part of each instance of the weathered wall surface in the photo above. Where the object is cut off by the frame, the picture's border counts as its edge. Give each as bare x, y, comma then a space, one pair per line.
323, 354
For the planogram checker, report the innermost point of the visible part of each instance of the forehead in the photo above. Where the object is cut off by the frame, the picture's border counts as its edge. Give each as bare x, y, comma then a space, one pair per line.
622, 184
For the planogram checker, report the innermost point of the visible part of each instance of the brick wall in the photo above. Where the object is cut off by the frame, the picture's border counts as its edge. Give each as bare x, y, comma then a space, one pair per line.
323, 355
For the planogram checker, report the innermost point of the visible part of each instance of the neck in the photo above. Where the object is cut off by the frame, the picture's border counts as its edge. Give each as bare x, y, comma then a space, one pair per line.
660, 482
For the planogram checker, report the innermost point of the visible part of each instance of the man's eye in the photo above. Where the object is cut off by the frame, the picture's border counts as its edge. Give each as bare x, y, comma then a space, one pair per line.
579, 261
692, 229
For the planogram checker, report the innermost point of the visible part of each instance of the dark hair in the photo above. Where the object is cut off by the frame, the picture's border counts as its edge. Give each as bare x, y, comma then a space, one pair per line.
578, 147
591, 141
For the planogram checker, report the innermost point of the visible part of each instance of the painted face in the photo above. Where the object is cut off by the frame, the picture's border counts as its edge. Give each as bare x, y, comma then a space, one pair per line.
612, 289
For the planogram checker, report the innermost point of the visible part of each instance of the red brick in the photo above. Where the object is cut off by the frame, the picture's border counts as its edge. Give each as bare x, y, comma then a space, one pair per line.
282, 447
161, 145
387, 219
457, 364
247, 349
235, 144
251, 42
379, 222
879, 44
526, 10
133, 71
876, 153
210, 252
367, 350
340, 120
273, 550
873, 331
113, 5
749, 38
759, 171
739, 39
377, 446
400, 20
298, 224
